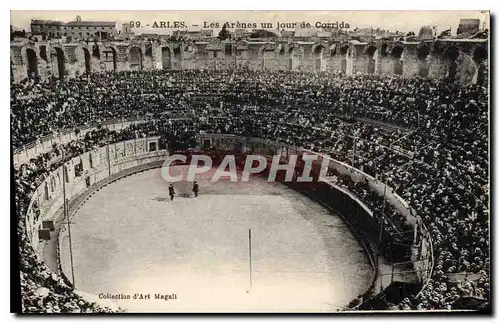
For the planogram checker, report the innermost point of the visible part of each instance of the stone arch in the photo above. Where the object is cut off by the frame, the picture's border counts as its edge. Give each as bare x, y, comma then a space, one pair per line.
451, 55
333, 49
479, 54
317, 51
148, 49
228, 50
344, 48
397, 52
480, 58
42, 49
135, 58
423, 52
344, 52
267, 52
397, 56
32, 62
372, 56
318, 48
383, 50
291, 50
96, 51
108, 61
87, 59
177, 57
293, 56
166, 57
280, 50
423, 60
467, 69
266, 47
58, 60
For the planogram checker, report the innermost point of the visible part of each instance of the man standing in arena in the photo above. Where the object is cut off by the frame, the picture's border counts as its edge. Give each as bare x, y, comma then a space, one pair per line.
171, 192
195, 188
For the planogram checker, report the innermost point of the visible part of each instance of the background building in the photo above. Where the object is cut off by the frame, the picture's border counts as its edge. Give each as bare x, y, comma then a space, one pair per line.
78, 29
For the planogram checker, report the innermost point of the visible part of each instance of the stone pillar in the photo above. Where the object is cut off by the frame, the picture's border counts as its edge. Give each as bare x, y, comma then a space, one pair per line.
350, 59
122, 54
74, 61
19, 66
157, 56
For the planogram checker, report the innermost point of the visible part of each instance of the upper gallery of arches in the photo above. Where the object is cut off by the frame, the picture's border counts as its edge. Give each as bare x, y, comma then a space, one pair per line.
319, 48
153, 54
384, 48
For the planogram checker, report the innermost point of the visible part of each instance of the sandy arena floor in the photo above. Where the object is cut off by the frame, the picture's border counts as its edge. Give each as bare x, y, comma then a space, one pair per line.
129, 238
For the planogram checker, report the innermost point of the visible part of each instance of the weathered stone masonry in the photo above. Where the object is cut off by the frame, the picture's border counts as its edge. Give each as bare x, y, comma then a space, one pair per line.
466, 61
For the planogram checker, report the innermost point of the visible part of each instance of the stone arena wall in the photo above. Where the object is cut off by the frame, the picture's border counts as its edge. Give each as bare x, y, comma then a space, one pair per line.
428, 58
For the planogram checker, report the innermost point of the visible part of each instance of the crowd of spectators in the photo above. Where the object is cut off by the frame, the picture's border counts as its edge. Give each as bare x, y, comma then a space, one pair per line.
42, 290
435, 154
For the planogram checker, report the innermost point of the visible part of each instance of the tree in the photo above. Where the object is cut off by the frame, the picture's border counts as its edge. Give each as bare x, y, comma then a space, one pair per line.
223, 34
262, 33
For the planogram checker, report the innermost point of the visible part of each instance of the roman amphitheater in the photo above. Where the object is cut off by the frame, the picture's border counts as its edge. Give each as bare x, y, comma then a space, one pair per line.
399, 222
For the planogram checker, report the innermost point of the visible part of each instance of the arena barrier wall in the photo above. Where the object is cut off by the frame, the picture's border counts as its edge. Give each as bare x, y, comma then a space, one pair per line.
337, 199
422, 251
143, 162
82, 172
362, 216
23, 154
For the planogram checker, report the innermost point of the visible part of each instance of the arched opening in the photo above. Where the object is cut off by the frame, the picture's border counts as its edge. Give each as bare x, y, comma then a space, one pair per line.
86, 53
149, 50
480, 54
135, 58
343, 55
333, 50
58, 62
480, 57
228, 50
318, 58
32, 63
267, 54
290, 60
372, 55
281, 56
109, 54
423, 64
43, 52
451, 54
396, 54
177, 58
165, 58
383, 50
96, 53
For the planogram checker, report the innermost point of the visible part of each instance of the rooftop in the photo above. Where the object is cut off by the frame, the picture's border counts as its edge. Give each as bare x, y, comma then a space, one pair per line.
74, 23
92, 23
47, 22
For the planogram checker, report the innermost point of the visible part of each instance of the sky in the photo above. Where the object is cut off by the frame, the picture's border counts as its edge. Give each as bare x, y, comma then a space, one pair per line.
390, 20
